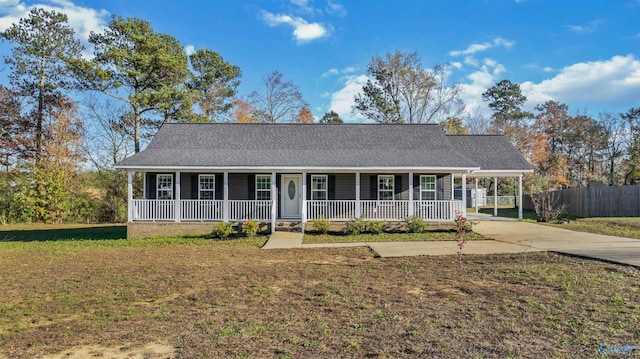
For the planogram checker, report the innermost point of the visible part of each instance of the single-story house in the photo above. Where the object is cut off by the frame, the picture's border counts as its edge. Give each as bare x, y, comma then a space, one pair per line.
198, 174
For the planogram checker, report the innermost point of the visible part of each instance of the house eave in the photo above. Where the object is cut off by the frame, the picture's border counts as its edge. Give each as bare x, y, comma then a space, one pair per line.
295, 169
498, 173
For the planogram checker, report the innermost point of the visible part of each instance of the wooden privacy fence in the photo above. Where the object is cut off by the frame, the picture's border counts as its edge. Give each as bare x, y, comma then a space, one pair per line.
598, 201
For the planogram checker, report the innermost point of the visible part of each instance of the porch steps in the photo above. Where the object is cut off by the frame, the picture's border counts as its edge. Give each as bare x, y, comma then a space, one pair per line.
288, 226
281, 240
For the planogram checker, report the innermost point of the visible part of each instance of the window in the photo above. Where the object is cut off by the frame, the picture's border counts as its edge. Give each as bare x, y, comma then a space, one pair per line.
427, 188
319, 188
385, 187
207, 187
263, 187
164, 187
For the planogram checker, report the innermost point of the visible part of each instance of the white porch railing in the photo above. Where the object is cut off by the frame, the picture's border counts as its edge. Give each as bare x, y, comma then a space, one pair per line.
333, 210
153, 209
249, 209
437, 210
385, 210
201, 210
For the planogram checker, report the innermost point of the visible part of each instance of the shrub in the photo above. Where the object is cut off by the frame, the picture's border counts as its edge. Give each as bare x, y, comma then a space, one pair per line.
415, 224
321, 224
250, 227
375, 227
223, 230
355, 226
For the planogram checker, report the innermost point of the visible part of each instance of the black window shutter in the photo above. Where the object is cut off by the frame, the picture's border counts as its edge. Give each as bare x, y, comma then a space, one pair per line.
397, 187
251, 187
151, 185
195, 185
440, 187
332, 187
416, 187
219, 186
309, 184
373, 187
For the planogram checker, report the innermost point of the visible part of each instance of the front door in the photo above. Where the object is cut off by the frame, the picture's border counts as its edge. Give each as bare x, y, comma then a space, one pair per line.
291, 198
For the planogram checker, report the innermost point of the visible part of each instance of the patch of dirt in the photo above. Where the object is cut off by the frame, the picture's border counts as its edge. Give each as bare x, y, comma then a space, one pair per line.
204, 301
149, 351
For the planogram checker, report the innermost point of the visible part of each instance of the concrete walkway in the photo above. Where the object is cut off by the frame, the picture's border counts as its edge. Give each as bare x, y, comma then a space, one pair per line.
284, 240
540, 237
510, 237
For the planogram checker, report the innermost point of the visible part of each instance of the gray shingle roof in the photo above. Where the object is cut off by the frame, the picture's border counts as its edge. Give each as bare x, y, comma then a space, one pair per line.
490, 152
232, 145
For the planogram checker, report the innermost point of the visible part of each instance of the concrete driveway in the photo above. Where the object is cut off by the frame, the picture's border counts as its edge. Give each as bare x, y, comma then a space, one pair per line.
613, 249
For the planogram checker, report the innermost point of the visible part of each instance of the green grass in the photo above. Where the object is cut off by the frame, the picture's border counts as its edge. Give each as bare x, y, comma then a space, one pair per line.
65, 238
67, 232
314, 238
508, 212
628, 227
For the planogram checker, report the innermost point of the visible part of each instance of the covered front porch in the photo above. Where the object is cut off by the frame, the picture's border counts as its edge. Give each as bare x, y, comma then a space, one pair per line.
336, 196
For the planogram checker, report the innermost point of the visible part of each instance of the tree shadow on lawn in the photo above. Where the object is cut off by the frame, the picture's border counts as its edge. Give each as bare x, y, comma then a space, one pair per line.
64, 234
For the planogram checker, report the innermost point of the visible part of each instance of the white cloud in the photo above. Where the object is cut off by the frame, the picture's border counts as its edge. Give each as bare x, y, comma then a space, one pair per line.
335, 8
333, 72
548, 69
583, 29
342, 100
474, 48
479, 81
83, 20
615, 81
330, 72
302, 30
303, 6
189, 50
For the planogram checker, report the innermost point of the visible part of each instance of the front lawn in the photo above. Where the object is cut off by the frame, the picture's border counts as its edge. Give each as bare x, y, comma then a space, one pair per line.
628, 227
202, 298
315, 238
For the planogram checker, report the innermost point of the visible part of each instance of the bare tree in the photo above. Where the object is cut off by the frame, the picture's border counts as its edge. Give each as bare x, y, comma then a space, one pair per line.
614, 129
278, 101
401, 90
109, 138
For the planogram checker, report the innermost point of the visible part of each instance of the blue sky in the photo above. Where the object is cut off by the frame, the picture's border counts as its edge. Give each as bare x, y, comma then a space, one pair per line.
582, 53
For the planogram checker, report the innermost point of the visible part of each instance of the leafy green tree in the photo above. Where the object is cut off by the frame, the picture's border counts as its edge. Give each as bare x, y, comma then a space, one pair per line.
140, 67
14, 129
506, 100
278, 100
214, 83
401, 90
44, 45
331, 117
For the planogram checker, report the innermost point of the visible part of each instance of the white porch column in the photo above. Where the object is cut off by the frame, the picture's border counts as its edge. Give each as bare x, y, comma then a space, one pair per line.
475, 196
358, 208
495, 196
225, 197
130, 196
411, 208
520, 197
274, 202
303, 210
453, 183
177, 210
464, 194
